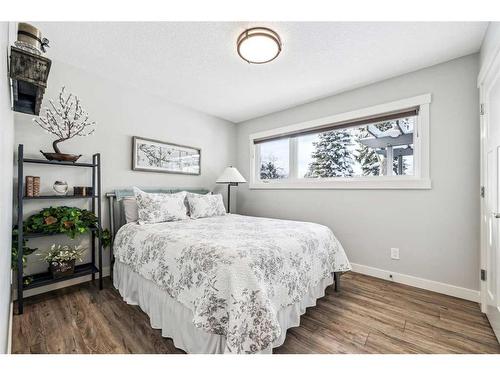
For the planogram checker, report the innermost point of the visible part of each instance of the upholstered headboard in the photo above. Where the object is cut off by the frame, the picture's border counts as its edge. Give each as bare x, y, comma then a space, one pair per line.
117, 217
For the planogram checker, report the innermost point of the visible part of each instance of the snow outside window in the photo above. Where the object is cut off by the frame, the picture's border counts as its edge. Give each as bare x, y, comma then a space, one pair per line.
358, 151
393, 148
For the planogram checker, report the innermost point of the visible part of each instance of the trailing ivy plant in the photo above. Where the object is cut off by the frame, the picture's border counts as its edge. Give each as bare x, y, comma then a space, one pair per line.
71, 221
26, 250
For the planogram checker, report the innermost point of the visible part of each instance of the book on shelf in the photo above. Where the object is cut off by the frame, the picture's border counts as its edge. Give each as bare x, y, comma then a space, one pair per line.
36, 186
29, 186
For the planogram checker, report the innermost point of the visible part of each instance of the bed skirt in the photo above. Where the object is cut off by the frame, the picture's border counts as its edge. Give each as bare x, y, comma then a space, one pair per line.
175, 320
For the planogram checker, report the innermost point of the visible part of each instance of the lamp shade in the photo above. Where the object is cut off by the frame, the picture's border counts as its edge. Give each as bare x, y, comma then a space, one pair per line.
230, 175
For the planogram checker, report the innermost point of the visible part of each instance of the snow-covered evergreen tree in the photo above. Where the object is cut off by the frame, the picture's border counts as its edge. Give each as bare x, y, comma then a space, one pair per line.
331, 157
367, 157
269, 170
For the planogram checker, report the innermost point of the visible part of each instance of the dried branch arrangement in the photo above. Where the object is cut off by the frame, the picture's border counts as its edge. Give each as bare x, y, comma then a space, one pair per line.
65, 119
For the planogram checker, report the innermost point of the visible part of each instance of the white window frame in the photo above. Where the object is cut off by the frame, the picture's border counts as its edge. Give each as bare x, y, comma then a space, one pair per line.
421, 141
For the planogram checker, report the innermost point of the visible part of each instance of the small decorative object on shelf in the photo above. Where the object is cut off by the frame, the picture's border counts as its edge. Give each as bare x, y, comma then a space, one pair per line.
65, 120
29, 186
36, 186
61, 259
60, 187
30, 39
82, 191
79, 191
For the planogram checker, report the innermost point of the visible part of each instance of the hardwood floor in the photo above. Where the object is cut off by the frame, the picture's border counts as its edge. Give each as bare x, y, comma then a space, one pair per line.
368, 315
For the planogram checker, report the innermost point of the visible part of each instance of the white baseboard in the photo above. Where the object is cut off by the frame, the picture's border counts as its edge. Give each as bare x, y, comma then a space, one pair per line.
434, 286
62, 284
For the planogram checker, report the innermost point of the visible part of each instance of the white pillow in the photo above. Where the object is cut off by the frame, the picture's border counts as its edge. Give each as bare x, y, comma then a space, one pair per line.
130, 206
205, 205
188, 193
130, 209
157, 208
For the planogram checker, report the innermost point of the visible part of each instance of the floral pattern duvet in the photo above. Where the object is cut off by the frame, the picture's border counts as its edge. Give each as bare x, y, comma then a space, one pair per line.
233, 272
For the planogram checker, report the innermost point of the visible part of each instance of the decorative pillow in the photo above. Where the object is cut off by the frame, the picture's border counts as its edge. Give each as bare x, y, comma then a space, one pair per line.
205, 205
130, 209
157, 208
189, 194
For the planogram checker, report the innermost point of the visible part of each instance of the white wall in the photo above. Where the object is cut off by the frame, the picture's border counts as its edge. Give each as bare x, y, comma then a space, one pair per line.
6, 147
436, 230
490, 46
122, 112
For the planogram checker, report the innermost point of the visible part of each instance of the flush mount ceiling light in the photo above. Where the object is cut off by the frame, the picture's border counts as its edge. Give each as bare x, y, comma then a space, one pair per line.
258, 45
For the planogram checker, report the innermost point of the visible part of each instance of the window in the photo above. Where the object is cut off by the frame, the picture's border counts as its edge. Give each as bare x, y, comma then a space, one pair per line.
274, 160
379, 147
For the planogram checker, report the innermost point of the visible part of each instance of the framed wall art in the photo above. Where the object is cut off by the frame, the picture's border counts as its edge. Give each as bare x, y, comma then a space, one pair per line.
158, 156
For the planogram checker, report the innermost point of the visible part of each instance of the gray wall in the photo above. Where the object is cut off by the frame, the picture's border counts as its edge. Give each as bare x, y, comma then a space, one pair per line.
6, 145
122, 112
436, 230
491, 43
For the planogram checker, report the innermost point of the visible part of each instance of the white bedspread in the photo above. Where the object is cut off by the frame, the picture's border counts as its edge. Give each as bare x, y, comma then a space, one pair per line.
233, 272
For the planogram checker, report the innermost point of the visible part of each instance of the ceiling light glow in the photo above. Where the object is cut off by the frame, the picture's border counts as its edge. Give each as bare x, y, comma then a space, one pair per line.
258, 45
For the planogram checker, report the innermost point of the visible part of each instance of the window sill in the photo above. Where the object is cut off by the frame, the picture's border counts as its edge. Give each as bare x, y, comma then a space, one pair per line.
377, 183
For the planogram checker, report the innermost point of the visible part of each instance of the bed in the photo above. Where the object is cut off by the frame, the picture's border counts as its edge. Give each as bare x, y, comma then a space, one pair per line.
225, 284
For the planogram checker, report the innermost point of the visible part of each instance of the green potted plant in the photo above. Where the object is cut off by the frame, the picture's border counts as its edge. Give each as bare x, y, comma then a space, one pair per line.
62, 258
71, 221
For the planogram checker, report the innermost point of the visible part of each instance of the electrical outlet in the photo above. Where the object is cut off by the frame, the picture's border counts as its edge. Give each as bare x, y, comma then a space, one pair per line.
394, 253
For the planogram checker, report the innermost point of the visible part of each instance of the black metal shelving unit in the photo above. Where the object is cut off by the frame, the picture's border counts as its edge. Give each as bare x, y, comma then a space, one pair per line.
45, 278
60, 197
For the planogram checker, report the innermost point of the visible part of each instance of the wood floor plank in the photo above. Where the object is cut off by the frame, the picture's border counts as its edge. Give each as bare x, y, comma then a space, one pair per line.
379, 343
478, 322
350, 332
331, 341
55, 331
29, 331
97, 335
459, 342
392, 307
295, 345
361, 314
73, 340
431, 297
368, 315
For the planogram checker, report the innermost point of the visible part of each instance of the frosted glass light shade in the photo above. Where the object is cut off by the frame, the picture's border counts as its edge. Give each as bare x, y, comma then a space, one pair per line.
258, 45
230, 175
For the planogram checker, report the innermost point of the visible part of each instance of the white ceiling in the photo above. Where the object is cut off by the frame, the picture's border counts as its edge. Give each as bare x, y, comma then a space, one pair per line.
195, 63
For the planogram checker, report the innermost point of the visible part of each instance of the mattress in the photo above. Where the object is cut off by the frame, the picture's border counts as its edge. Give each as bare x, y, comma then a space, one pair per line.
238, 282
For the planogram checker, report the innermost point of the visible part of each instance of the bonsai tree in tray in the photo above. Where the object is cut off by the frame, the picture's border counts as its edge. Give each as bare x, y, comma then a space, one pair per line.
65, 119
